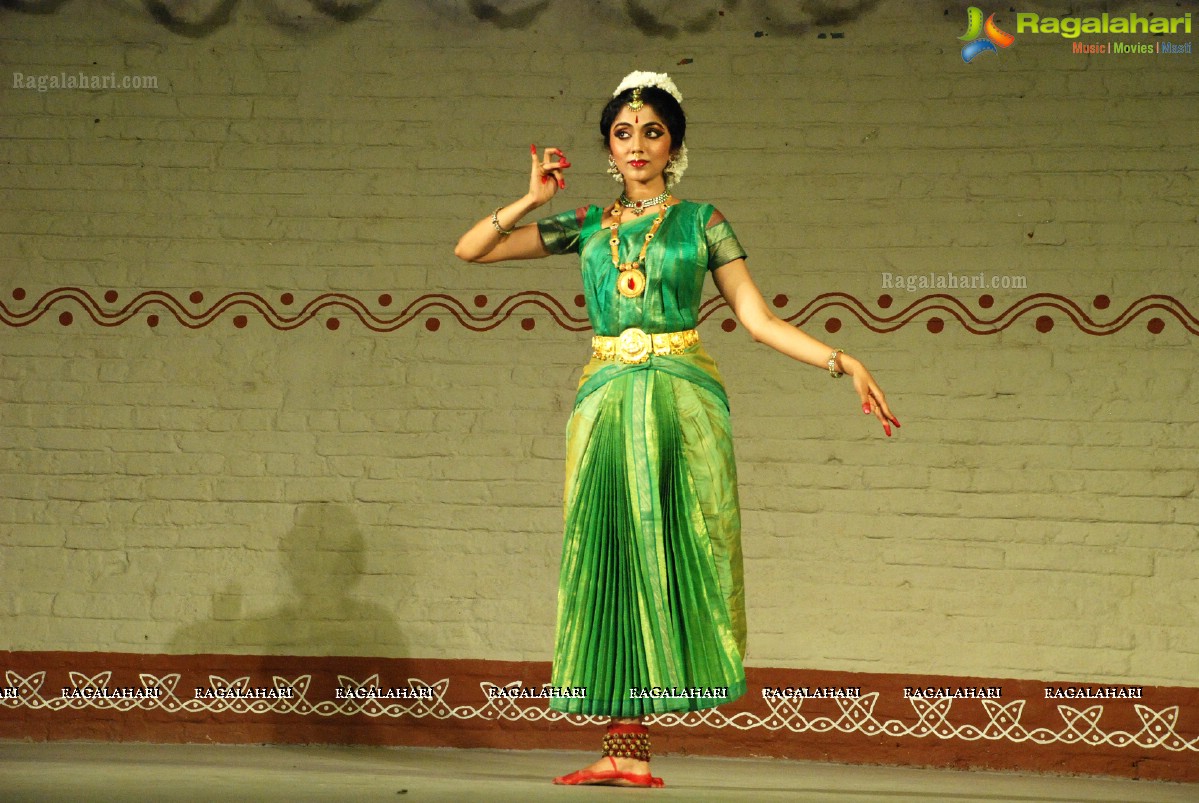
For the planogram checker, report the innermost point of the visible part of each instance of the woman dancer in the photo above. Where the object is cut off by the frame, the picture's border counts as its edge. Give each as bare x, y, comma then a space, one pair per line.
651, 610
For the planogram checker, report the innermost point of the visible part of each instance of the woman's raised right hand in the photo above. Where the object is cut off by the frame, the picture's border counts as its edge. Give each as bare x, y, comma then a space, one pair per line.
547, 176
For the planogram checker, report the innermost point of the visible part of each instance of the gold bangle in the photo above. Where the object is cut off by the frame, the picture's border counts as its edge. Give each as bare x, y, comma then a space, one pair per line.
495, 221
832, 364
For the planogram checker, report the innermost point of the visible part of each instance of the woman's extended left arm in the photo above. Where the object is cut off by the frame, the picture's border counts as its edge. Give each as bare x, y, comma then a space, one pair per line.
738, 288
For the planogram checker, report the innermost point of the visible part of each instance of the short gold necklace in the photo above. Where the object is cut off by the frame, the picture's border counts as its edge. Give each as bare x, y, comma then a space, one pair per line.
631, 282
638, 207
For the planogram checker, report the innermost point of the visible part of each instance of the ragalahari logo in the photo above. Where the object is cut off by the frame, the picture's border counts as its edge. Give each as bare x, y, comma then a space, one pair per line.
981, 37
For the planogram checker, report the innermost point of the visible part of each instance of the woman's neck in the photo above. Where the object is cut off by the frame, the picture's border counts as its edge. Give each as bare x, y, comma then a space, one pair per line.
638, 191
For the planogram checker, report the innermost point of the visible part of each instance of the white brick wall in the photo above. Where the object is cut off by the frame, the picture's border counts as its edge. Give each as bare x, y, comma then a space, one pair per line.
1035, 517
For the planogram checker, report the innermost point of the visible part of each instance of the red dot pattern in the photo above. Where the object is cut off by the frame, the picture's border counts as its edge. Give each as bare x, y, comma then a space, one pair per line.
1043, 324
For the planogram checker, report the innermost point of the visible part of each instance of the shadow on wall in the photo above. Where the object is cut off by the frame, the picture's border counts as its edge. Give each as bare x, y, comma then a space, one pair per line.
654, 18
665, 19
323, 559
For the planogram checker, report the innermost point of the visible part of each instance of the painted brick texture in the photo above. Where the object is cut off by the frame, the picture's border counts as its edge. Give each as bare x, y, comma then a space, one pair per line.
221, 479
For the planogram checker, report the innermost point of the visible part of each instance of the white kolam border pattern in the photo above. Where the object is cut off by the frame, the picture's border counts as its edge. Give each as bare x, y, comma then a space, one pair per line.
932, 717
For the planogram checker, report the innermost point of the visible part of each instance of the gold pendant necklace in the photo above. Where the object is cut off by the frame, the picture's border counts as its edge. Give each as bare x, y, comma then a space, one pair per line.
631, 281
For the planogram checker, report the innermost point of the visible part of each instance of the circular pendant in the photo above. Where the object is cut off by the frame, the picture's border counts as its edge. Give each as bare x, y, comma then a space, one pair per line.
631, 283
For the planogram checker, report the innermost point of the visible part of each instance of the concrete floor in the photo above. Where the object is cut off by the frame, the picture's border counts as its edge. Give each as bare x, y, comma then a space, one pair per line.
70, 771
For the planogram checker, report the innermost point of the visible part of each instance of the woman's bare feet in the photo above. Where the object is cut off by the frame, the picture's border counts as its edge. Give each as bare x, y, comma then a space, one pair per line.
611, 771
626, 765
625, 761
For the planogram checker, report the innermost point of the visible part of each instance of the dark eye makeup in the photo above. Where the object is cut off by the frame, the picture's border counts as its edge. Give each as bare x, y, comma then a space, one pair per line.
653, 131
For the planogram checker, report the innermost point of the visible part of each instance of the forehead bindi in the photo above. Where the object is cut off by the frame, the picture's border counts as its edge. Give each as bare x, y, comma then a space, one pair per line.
644, 116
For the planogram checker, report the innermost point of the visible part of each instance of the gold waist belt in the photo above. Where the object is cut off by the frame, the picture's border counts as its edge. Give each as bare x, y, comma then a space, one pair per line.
635, 345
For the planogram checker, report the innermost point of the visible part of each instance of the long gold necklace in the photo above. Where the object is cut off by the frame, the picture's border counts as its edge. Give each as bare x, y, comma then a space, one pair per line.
631, 282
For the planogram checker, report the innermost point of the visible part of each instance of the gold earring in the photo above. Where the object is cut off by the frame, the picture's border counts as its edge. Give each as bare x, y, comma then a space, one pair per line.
613, 170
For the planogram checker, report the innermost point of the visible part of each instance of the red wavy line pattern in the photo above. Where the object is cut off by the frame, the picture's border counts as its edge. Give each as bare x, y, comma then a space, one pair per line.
933, 311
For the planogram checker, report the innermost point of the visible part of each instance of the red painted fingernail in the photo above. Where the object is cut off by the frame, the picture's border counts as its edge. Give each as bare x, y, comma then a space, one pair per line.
866, 408
561, 185
544, 179
887, 430
533, 149
894, 420
565, 163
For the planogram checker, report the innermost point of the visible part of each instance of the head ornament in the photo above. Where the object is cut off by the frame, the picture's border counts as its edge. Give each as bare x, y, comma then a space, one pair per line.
641, 78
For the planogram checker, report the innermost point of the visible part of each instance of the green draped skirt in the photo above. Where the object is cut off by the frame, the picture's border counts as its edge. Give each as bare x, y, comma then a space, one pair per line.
651, 609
